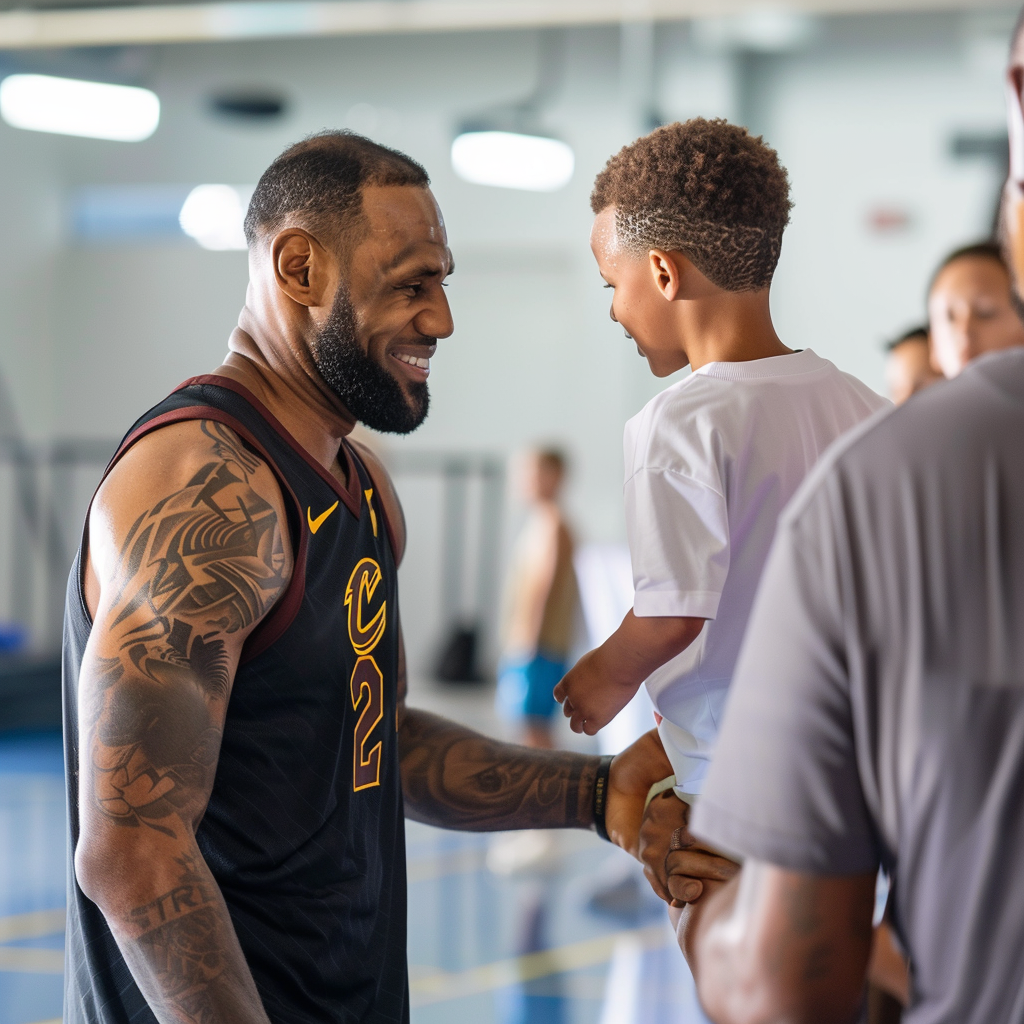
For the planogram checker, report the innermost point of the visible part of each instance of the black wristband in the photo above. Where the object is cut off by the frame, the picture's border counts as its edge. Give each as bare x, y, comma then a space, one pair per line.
601, 796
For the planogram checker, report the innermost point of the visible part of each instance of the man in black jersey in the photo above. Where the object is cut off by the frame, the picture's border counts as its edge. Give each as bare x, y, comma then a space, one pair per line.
239, 750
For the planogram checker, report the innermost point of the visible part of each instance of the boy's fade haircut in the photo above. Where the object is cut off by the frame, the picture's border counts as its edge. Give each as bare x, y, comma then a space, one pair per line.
708, 189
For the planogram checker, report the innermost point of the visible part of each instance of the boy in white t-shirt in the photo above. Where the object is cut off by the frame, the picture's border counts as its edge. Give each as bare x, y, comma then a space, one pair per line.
688, 231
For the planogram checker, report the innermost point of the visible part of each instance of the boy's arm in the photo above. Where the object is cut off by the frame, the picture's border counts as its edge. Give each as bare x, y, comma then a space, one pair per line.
603, 682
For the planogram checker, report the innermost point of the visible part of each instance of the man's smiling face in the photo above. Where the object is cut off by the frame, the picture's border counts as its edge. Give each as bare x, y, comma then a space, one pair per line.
374, 348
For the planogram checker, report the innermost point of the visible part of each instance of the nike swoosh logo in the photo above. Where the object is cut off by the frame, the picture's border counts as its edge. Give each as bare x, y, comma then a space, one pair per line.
315, 524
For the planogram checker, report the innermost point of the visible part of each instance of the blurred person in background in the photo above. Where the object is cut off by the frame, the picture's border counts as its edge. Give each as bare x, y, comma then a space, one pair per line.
541, 602
877, 714
971, 309
908, 367
540, 614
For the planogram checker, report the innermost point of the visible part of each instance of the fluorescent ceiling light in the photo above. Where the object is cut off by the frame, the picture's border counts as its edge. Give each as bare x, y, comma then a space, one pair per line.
67, 106
763, 31
511, 160
214, 214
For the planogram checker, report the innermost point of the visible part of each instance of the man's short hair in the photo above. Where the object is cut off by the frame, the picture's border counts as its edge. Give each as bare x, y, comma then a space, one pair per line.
708, 189
987, 250
919, 333
322, 179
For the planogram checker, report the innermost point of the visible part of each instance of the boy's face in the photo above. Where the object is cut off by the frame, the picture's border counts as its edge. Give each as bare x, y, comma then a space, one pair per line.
970, 313
637, 303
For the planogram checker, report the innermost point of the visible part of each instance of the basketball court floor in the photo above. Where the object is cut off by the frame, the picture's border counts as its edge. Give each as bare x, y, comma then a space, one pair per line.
526, 948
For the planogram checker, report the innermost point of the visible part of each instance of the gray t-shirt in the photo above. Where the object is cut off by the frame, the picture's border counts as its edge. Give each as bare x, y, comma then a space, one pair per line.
877, 710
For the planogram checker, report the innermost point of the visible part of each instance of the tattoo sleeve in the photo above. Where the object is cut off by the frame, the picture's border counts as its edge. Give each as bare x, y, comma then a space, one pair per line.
456, 778
195, 573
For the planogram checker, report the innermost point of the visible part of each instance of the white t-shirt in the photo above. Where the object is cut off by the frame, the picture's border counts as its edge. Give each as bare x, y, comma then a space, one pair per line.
710, 464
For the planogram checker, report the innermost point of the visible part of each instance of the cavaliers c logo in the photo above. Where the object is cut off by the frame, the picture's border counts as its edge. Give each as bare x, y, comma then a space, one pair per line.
358, 594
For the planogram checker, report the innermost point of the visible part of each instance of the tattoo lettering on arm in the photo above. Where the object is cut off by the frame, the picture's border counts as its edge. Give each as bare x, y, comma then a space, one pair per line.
205, 562
182, 942
457, 778
178, 932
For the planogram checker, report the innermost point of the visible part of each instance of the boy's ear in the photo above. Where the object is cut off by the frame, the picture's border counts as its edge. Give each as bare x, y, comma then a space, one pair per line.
667, 269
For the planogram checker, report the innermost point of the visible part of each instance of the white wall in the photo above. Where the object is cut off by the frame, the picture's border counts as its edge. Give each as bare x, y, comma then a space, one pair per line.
91, 336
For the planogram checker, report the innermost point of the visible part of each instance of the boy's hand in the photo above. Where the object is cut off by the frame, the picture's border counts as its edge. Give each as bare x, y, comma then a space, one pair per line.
603, 682
633, 773
675, 864
590, 696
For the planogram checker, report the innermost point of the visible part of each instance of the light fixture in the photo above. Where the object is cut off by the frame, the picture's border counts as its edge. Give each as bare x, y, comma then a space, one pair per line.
759, 31
535, 163
214, 214
68, 106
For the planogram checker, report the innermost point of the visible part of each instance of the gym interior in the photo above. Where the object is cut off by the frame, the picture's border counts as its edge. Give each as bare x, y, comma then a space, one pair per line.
124, 267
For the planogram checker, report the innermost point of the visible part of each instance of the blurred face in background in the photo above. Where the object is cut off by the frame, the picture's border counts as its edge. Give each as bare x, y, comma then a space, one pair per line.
970, 312
908, 368
540, 478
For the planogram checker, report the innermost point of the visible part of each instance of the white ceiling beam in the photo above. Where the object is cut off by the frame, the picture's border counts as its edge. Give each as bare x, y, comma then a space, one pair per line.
209, 22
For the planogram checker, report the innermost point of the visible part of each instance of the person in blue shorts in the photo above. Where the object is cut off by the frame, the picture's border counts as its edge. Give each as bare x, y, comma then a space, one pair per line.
541, 600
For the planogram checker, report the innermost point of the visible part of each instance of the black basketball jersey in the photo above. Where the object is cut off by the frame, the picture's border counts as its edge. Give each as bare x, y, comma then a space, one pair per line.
304, 831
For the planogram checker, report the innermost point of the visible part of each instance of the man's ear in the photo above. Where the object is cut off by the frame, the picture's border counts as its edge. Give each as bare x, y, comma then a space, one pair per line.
667, 269
301, 267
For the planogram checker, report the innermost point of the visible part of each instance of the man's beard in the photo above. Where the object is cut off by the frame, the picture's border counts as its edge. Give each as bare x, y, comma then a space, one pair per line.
366, 389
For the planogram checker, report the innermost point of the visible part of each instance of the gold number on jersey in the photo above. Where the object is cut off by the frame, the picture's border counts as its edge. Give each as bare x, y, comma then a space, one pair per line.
367, 679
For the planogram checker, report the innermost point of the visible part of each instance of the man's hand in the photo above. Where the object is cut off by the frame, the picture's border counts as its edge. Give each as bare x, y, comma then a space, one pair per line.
677, 866
602, 682
590, 696
633, 772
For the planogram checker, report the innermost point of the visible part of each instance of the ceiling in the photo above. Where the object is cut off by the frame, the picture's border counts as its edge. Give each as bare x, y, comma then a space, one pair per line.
83, 23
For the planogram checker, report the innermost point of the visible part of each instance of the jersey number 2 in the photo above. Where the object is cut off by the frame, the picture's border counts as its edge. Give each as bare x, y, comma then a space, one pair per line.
367, 679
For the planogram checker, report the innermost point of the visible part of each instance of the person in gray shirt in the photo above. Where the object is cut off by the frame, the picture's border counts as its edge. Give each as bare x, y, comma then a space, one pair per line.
877, 717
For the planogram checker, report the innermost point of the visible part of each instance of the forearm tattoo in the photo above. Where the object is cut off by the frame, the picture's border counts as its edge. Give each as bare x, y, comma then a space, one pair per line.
185, 955
456, 778
204, 562
180, 938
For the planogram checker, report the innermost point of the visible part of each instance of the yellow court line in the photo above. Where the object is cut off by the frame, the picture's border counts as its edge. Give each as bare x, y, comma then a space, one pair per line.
442, 986
33, 925
56, 1020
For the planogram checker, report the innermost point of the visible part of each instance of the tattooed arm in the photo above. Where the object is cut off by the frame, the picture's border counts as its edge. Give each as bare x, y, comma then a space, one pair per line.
188, 550
778, 945
456, 778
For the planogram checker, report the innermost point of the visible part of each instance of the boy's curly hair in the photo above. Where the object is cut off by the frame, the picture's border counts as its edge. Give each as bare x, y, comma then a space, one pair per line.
708, 189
